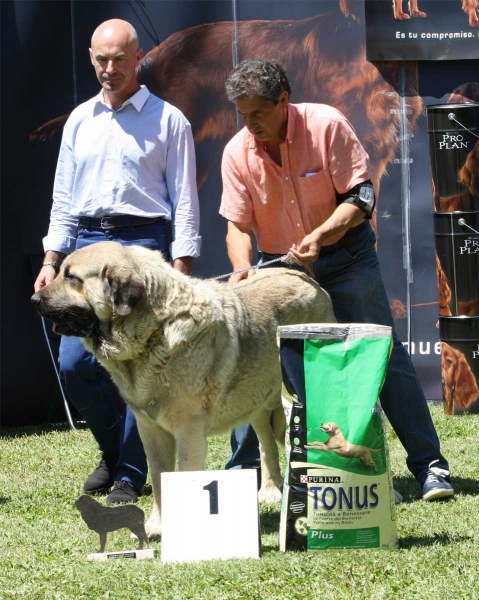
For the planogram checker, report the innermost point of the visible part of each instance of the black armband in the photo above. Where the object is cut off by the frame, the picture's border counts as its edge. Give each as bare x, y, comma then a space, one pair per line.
362, 196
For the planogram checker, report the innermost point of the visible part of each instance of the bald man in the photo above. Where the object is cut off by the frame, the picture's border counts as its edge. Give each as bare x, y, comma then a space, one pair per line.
126, 172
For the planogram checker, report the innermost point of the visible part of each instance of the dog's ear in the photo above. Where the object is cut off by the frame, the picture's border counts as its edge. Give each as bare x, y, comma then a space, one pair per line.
469, 174
350, 9
466, 390
124, 288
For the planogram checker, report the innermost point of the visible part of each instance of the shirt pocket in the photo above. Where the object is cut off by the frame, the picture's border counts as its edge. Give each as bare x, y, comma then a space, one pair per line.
317, 188
141, 165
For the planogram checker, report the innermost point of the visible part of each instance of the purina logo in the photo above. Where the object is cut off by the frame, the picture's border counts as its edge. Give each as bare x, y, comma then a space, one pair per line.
297, 507
319, 479
452, 142
475, 353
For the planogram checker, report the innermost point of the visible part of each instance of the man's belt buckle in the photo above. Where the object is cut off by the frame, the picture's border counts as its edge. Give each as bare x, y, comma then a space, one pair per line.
105, 225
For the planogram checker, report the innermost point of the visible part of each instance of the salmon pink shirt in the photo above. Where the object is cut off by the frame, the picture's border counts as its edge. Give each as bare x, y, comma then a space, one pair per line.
320, 156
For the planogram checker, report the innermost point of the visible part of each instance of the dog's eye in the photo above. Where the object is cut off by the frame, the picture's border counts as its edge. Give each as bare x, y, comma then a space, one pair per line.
71, 277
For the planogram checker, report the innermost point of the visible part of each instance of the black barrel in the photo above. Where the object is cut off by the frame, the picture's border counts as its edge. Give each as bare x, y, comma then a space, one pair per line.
457, 249
454, 153
460, 364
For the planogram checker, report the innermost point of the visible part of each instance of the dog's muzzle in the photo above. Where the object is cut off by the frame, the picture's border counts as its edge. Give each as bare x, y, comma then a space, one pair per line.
65, 322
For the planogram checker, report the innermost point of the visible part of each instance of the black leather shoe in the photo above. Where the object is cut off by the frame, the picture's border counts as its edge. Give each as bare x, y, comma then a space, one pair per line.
101, 480
122, 493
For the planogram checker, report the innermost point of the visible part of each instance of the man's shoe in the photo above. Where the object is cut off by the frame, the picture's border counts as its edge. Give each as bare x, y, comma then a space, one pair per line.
122, 493
101, 480
437, 484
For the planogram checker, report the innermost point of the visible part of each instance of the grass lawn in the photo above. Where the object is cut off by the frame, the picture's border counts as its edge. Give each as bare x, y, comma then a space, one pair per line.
44, 542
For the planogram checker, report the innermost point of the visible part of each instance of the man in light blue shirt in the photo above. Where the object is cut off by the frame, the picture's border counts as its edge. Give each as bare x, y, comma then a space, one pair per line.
126, 171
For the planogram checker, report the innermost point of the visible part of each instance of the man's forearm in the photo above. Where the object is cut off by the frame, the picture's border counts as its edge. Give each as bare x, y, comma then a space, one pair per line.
344, 217
240, 248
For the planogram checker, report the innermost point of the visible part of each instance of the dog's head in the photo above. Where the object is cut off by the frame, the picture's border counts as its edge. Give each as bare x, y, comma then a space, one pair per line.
96, 293
330, 428
469, 173
86, 502
458, 381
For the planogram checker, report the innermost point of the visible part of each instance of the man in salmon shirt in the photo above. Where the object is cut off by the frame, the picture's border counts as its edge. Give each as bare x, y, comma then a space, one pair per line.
296, 177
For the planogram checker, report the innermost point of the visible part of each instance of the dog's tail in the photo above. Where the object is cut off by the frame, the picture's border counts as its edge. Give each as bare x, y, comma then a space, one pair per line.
279, 424
375, 449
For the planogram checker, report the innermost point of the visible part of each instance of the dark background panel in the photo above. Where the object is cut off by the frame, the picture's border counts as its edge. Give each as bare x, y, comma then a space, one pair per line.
46, 71
36, 83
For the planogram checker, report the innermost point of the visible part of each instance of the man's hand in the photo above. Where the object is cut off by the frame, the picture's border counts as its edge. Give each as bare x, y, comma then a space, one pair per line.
183, 264
48, 273
345, 216
308, 250
239, 276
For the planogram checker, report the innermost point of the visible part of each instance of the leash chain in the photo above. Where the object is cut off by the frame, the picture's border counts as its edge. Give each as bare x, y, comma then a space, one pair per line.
285, 258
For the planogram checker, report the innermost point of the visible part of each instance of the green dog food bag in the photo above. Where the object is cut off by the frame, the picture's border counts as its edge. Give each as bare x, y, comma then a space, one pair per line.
338, 488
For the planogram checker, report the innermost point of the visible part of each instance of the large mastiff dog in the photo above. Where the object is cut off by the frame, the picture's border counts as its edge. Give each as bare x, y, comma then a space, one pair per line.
192, 357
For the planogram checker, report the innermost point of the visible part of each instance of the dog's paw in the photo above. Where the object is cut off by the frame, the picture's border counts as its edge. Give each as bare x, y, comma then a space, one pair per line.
418, 14
153, 529
269, 495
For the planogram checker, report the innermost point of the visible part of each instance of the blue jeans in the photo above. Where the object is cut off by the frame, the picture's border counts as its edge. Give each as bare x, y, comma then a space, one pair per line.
352, 277
89, 386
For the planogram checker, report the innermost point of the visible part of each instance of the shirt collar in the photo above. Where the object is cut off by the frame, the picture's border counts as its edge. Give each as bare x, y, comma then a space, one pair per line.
137, 100
292, 112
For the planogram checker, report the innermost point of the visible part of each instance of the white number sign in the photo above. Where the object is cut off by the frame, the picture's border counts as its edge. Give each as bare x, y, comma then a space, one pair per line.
209, 515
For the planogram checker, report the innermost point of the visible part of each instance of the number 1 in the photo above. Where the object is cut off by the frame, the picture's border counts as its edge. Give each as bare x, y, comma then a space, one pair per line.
212, 488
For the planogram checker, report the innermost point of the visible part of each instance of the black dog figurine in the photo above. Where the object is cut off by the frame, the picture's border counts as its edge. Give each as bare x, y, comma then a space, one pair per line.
103, 519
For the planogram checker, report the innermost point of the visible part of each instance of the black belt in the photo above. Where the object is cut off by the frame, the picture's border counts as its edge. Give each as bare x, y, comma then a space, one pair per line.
116, 222
348, 238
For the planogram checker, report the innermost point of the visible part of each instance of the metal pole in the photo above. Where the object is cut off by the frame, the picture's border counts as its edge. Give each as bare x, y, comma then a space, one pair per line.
235, 50
405, 194
74, 58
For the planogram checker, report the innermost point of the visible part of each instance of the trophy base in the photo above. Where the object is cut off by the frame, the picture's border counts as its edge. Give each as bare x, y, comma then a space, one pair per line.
137, 554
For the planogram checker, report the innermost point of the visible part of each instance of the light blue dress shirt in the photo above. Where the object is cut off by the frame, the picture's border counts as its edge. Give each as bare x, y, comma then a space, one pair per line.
138, 160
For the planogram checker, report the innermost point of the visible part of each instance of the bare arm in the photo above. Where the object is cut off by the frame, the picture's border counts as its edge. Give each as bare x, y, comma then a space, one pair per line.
49, 272
344, 217
240, 249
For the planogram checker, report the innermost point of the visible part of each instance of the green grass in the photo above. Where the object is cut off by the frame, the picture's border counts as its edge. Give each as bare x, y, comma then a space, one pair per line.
44, 542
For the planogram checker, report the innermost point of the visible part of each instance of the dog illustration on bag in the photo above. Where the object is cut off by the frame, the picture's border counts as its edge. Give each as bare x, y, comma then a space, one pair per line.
339, 444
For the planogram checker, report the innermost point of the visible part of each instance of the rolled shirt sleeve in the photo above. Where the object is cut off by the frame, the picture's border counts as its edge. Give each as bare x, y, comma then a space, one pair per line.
61, 235
182, 190
236, 202
344, 143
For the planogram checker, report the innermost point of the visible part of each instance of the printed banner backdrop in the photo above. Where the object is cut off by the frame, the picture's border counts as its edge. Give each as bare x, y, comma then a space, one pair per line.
190, 43
437, 30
